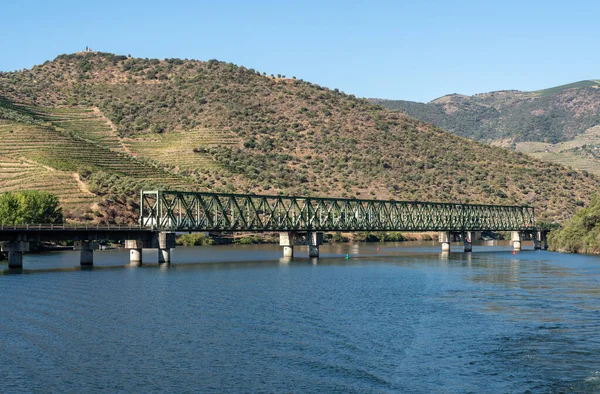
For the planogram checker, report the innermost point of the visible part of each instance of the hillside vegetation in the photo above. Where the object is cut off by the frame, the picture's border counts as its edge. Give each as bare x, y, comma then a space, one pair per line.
581, 234
558, 124
552, 115
92, 125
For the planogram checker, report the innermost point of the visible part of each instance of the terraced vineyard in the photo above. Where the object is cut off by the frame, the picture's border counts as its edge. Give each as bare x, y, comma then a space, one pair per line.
87, 123
21, 174
186, 151
48, 156
569, 153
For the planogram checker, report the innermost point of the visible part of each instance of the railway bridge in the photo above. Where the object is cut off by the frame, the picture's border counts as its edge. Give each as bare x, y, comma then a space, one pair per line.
298, 220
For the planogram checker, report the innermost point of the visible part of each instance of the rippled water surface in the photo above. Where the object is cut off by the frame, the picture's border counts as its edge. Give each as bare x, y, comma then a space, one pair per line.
392, 318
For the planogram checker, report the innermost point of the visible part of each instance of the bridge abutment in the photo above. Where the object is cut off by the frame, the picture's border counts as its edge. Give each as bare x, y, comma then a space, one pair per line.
445, 238
15, 252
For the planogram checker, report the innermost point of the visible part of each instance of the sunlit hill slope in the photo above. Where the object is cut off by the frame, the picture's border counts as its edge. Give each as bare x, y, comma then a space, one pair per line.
95, 128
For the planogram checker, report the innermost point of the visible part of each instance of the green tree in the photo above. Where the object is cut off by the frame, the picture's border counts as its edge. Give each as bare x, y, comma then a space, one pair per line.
29, 207
9, 208
581, 234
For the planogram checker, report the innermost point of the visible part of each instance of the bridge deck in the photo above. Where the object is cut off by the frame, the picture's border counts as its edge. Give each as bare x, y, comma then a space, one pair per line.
73, 232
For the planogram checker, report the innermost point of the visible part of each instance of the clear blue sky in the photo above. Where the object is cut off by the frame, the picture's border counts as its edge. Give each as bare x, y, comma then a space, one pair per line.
413, 49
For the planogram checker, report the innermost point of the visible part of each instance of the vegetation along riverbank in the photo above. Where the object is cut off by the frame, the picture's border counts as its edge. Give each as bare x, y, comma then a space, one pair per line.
581, 234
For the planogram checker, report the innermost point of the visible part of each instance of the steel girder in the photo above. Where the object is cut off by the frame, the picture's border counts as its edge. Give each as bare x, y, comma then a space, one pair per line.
195, 211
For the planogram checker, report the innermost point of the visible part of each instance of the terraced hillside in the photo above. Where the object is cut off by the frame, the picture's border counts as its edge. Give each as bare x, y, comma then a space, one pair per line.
21, 174
87, 123
122, 122
55, 145
183, 152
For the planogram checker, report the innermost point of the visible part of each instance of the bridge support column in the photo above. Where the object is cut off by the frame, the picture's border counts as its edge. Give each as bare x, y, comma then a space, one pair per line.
86, 250
135, 256
444, 238
135, 252
537, 240
314, 240
15, 252
467, 241
166, 241
287, 240
516, 240
543, 239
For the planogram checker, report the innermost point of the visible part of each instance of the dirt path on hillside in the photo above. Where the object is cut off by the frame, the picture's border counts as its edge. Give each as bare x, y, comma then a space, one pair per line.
82, 186
100, 114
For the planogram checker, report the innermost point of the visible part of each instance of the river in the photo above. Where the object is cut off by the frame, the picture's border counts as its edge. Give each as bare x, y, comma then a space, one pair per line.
394, 317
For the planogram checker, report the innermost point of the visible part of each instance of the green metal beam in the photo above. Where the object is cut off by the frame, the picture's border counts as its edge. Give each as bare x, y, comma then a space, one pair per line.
195, 211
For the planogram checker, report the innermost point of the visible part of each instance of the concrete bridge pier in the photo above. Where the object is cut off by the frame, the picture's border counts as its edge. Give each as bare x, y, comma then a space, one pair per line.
467, 241
86, 252
291, 238
445, 238
15, 252
544, 240
166, 241
135, 256
314, 239
287, 240
135, 252
516, 240
539, 240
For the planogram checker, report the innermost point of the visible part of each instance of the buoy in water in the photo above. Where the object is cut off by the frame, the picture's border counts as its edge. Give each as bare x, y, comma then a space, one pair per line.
347, 257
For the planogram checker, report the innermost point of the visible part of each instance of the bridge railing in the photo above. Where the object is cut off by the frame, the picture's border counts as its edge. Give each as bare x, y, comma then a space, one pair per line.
81, 226
197, 211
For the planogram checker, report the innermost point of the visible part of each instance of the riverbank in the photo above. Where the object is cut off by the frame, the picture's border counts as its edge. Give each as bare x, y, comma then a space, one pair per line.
202, 239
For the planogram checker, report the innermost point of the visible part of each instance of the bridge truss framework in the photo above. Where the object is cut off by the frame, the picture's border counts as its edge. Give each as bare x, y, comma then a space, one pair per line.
200, 211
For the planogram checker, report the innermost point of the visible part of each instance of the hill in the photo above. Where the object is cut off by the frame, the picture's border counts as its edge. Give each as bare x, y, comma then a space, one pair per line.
552, 115
559, 124
96, 127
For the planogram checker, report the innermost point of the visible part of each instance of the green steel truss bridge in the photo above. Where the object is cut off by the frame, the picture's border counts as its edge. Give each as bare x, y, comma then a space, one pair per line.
198, 211
299, 221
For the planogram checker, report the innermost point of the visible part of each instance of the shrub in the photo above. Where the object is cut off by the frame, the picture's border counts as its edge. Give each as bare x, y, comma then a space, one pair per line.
194, 239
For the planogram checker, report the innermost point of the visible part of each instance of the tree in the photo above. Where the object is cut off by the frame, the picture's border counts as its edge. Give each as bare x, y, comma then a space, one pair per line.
582, 233
29, 207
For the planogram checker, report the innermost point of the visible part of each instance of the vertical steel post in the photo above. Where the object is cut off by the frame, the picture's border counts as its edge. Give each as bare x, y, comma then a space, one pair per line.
159, 210
141, 219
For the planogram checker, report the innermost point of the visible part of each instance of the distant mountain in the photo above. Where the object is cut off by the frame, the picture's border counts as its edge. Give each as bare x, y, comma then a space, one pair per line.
94, 128
552, 115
